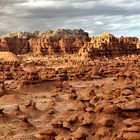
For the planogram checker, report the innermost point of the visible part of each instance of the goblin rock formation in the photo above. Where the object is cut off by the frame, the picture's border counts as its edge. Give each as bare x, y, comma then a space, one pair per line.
65, 41
54, 93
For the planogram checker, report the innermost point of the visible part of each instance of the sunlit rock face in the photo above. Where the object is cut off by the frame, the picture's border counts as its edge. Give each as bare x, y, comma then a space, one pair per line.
128, 43
66, 41
58, 42
41, 43
138, 45
107, 44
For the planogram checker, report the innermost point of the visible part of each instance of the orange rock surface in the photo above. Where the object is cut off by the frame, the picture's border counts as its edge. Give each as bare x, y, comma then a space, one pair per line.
65, 41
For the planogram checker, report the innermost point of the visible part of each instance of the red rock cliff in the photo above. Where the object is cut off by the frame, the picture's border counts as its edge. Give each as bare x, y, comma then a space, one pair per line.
108, 45
61, 41
65, 41
15, 45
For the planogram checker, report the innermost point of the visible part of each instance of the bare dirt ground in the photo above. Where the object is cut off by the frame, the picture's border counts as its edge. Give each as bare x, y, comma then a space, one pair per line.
101, 104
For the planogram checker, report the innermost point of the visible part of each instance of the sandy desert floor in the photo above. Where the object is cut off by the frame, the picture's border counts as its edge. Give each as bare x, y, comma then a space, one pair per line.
104, 107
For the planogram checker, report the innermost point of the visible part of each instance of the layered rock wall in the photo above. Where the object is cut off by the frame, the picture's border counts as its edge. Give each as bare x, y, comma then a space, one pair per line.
65, 41
108, 45
15, 45
61, 41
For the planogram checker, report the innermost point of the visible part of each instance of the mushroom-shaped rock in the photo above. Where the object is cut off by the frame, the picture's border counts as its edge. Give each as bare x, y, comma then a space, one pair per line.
16, 111
31, 108
4, 118
25, 123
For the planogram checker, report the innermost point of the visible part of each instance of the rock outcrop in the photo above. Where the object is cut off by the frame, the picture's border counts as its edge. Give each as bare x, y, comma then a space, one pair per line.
42, 43
14, 45
108, 45
66, 41
8, 57
62, 41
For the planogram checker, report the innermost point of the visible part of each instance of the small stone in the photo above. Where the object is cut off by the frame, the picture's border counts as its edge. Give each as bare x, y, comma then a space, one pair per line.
89, 109
66, 125
131, 136
137, 122
72, 119
110, 109
87, 121
47, 131
130, 106
128, 121
80, 133
107, 122
103, 131
73, 96
57, 123
131, 129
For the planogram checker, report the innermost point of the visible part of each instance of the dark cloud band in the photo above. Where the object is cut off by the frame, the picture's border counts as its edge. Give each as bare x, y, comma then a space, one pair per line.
115, 16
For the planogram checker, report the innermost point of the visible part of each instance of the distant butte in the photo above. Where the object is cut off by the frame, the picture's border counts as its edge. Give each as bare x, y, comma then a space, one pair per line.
66, 41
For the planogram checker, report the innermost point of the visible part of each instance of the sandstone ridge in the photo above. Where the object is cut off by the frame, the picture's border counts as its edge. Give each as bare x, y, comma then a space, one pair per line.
66, 41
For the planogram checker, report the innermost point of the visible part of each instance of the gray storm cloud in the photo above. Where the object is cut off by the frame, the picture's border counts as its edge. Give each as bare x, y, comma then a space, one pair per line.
95, 16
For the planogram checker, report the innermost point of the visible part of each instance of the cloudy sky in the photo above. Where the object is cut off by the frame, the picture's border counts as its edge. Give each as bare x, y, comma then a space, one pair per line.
120, 17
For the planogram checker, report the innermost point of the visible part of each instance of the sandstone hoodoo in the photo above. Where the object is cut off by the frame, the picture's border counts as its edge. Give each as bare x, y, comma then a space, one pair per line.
65, 85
